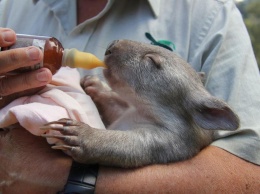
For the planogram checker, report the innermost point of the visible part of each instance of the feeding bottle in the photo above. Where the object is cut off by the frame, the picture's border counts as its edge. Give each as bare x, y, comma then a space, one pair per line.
54, 55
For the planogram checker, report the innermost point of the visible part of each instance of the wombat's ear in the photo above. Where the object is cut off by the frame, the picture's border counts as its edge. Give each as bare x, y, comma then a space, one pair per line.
213, 114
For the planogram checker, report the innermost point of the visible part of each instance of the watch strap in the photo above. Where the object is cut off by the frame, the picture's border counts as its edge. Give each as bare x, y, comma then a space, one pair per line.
82, 179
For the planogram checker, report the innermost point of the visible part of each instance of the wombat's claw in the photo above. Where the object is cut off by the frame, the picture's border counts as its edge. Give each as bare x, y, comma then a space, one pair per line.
68, 130
65, 122
61, 137
63, 147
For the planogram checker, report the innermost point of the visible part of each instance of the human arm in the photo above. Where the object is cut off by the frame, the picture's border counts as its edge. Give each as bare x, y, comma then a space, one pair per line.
43, 170
213, 170
13, 59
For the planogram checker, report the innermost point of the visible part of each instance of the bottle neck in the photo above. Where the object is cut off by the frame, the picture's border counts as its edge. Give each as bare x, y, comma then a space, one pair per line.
68, 58
77, 59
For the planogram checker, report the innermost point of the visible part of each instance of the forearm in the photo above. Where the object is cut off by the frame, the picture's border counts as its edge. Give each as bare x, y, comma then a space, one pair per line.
29, 165
212, 171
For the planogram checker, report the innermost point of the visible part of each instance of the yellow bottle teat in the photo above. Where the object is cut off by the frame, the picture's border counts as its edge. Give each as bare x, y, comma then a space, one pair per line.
77, 59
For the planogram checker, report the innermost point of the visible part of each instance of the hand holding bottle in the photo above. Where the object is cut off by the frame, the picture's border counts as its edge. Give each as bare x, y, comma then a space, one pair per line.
27, 63
14, 86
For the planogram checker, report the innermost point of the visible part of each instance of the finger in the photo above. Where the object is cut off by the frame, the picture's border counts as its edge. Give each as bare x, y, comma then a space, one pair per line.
24, 81
7, 37
21, 57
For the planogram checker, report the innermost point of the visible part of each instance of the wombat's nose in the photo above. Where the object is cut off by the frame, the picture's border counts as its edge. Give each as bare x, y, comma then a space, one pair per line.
109, 51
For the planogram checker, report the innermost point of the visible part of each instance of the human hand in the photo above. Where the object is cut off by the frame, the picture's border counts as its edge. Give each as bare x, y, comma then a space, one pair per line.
14, 86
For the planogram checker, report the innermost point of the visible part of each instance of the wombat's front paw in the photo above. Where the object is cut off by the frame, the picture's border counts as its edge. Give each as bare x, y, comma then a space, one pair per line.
109, 105
99, 91
72, 138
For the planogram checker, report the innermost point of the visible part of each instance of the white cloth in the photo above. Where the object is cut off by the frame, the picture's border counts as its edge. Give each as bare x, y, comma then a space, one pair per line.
209, 34
62, 98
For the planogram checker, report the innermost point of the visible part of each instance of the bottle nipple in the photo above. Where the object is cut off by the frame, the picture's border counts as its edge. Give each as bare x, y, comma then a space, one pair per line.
74, 58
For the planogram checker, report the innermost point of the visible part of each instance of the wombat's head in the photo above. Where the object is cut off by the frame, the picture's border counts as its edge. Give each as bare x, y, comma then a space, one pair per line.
147, 69
158, 77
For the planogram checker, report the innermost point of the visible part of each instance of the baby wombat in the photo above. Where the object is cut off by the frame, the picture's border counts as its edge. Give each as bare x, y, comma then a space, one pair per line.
157, 110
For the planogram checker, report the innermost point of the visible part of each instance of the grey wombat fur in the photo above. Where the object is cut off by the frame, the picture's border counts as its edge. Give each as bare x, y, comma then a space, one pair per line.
158, 110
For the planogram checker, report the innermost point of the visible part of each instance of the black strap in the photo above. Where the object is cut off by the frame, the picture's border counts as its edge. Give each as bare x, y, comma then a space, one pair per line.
81, 180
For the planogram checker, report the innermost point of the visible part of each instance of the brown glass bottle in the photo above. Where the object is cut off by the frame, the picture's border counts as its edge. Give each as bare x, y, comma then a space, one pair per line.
53, 52
54, 55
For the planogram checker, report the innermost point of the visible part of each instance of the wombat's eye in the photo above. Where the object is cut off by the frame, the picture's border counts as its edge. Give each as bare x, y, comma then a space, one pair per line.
156, 60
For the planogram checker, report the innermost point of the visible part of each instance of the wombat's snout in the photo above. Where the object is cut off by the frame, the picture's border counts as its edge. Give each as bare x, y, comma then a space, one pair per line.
110, 46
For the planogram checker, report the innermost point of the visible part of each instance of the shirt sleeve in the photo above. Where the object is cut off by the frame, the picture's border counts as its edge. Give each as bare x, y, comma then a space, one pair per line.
233, 75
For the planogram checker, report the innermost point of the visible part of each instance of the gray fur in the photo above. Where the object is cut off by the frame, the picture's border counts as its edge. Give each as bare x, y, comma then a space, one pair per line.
158, 110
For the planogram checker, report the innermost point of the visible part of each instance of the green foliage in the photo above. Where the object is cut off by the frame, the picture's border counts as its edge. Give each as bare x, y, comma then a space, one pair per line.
252, 21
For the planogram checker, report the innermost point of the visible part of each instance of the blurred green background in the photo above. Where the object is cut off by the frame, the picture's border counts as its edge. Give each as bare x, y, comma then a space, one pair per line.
250, 9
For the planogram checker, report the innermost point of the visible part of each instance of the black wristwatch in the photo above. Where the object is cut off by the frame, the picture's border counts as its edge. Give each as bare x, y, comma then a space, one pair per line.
81, 180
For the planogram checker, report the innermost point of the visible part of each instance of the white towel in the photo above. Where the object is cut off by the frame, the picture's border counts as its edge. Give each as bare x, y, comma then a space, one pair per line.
62, 98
